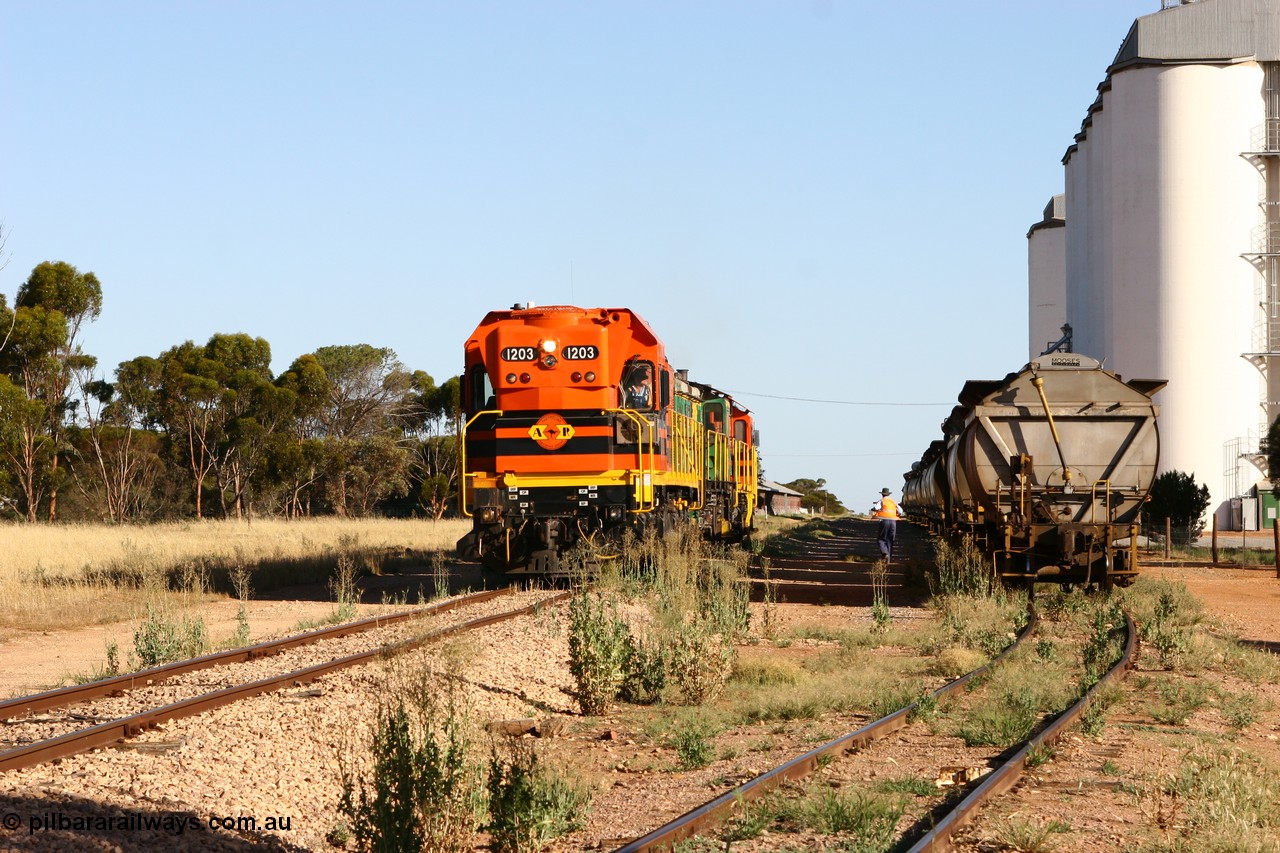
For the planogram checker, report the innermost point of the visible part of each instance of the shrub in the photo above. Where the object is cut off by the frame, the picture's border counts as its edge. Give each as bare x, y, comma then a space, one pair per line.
162, 639
598, 649
1103, 648
645, 672
529, 804
701, 662
961, 569
423, 791
1163, 633
693, 746
343, 585
880, 599
1176, 496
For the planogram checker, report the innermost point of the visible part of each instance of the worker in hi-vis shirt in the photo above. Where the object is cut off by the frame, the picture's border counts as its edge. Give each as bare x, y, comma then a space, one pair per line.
888, 512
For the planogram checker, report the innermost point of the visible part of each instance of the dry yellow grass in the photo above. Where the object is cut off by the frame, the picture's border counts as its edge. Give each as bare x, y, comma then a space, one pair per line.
60, 576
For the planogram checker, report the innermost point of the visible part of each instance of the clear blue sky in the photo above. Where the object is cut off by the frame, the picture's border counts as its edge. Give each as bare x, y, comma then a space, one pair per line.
821, 200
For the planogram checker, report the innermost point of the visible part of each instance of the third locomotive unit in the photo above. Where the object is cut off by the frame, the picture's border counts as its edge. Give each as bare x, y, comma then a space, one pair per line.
1046, 470
576, 429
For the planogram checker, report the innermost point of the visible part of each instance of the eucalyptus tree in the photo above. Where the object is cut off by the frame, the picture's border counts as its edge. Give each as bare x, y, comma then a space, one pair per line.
296, 456
179, 398
29, 364
69, 298
119, 460
360, 423
15, 414
432, 423
217, 405
254, 409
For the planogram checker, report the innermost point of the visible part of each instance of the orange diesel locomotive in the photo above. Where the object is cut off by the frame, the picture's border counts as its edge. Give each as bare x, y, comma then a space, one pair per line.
576, 429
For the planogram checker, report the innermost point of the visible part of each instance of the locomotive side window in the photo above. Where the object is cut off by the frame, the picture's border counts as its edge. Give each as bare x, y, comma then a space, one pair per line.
480, 390
740, 430
714, 417
666, 389
637, 385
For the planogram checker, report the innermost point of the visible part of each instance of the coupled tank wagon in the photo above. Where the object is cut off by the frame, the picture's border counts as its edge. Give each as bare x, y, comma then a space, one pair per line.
1046, 470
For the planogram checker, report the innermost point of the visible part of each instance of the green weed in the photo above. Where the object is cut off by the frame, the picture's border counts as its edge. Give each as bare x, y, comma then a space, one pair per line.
529, 803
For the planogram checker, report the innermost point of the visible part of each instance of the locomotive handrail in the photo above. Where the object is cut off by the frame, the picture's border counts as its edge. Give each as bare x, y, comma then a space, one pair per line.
688, 427
652, 470
462, 458
746, 473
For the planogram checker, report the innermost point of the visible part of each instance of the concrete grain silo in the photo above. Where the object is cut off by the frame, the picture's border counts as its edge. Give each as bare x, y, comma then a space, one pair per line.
1047, 262
1172, 231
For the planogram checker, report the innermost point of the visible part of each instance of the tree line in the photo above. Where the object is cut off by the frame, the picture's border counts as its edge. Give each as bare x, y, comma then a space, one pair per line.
206, 430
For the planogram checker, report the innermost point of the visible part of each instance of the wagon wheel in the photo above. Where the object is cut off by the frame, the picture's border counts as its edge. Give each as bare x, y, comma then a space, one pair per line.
1108, 580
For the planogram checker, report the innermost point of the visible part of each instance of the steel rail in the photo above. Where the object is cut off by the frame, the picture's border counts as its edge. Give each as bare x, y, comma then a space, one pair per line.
116, 685
115, 731
1004, 777
716, 811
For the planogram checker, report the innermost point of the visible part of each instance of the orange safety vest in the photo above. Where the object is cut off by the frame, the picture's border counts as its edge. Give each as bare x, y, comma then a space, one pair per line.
888, 508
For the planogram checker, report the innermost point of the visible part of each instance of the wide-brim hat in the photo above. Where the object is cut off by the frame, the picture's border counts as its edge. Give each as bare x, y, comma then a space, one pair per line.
885, 492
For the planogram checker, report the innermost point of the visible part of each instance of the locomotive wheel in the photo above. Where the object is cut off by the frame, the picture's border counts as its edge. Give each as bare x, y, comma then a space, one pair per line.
670, 524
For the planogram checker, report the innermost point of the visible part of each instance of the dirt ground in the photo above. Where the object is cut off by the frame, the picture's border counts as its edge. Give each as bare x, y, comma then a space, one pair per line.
1247, 600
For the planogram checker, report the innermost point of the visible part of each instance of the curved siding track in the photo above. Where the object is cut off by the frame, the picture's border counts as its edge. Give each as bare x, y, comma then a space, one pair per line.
939, 838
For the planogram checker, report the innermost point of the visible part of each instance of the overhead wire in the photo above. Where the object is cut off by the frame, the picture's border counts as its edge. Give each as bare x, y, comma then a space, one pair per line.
838, 403
833, 402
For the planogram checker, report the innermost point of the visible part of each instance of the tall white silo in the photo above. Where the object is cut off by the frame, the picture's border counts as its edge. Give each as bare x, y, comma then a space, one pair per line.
1163, 202
1047, 277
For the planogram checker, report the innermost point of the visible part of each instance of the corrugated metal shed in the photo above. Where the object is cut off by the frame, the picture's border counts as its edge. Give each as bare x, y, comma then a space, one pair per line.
771, 486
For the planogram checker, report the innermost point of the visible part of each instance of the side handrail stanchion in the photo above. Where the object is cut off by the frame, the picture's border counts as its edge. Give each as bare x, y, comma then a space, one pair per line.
462, 457
644, 472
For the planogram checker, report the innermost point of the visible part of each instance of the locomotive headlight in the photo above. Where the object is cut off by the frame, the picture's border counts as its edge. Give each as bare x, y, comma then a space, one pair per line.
548, 360
548, 345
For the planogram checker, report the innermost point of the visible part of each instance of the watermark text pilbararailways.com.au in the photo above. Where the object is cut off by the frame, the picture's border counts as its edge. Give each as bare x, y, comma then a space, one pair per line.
171, 823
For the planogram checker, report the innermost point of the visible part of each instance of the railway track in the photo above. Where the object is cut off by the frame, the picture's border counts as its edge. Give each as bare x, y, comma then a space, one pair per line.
125, 706
268, 755
839, 569
943, 823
